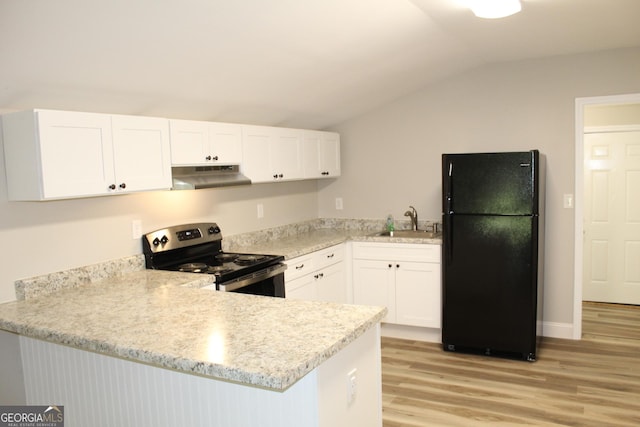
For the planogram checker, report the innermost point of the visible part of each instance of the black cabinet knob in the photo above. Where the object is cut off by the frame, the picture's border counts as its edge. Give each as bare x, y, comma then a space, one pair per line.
123, 186
215, 157
112, 187
208, 158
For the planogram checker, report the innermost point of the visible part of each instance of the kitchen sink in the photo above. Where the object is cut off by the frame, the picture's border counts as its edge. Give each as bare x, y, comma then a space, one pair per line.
416, 234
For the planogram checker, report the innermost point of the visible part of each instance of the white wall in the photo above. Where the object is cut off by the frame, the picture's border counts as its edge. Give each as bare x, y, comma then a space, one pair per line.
391, 156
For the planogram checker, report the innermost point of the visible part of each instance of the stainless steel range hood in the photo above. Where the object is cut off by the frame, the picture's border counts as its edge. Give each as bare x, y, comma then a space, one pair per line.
197, 177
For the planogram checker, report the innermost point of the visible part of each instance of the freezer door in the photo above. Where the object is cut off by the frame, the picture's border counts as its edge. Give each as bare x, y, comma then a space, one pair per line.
490, 183
490, 283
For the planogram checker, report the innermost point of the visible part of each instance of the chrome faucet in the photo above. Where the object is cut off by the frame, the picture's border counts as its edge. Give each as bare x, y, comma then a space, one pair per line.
413, 214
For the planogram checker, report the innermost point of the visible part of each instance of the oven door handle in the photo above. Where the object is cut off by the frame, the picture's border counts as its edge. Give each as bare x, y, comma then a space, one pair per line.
250, 279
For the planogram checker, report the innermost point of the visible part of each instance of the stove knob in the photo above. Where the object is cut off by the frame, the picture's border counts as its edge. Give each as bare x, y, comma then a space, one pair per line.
214, 230
156, 242
164, 239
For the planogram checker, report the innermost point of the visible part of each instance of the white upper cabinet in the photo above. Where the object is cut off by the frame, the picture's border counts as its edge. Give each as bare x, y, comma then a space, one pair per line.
272, 154
321, 154
60, 154
53, 154
195, 143
141, 153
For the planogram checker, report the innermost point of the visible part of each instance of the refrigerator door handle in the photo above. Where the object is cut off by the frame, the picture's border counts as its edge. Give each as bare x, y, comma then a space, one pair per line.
449, 238
448, 199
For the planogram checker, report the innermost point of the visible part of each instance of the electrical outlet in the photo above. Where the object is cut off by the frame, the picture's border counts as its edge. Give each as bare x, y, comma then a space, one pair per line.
339, 203
352, 385
260, 210
136, 229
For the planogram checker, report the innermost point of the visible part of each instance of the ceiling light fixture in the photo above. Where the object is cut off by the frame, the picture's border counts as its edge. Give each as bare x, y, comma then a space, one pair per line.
494, 8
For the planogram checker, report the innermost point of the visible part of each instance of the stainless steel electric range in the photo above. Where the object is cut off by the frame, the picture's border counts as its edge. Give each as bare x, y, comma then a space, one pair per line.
197, 248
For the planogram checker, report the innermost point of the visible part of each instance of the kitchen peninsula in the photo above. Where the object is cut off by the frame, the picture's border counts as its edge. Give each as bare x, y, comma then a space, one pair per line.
152, 348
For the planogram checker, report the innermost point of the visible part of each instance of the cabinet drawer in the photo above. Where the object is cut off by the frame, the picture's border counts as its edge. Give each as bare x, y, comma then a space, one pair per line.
397, 251
299, 266
329, 256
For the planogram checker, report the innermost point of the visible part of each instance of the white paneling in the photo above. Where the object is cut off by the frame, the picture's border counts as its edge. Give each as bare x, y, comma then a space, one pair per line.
97, 390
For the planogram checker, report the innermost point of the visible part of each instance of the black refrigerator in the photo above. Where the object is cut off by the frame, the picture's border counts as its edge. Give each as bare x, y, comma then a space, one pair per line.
493, 228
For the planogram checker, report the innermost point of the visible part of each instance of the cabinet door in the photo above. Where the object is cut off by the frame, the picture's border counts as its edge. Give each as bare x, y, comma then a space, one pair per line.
141, 153
331, 284
373, 284
285, 152
225, 144
418, 294
76, 153
321, 154
302, 288
330, 155
189, 142
271, 154
256, 164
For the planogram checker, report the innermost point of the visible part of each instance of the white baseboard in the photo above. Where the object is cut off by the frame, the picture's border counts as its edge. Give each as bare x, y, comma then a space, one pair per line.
549, 329
411, 333
557, 330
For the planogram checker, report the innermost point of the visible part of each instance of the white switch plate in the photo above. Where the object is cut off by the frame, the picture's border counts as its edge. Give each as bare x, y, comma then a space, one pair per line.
260, 210
568, 201
339, 203
136, 229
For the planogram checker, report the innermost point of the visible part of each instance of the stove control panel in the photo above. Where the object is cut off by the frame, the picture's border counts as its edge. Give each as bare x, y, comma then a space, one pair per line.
181, 236
189, 234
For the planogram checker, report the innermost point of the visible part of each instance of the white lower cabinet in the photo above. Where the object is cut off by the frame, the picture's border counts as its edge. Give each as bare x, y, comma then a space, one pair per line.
318, 276
403, 277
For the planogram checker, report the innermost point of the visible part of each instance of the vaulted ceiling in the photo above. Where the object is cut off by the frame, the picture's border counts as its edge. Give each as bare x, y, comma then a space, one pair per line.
302, 63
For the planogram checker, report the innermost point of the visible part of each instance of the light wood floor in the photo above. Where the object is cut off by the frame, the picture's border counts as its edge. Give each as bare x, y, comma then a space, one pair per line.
591, 382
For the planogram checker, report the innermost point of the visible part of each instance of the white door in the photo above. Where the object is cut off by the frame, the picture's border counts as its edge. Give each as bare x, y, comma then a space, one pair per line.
612, 217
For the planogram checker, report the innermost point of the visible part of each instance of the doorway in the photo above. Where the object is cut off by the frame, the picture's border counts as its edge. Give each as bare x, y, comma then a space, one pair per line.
584, 108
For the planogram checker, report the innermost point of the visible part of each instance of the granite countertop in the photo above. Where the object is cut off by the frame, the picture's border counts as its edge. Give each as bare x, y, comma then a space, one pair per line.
164, 319
296, 240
